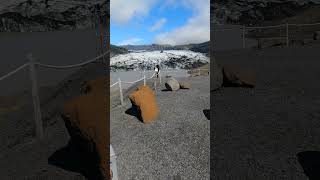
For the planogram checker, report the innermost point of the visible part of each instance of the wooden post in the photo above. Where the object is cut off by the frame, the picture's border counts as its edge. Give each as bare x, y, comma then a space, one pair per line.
287, 32
244, 36
120, 89
160, 76
35, 97
144, 80
199, 72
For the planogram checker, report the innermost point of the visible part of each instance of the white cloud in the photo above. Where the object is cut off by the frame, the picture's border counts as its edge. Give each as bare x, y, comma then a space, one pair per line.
159, 24
130, 41
197, 28
122, 11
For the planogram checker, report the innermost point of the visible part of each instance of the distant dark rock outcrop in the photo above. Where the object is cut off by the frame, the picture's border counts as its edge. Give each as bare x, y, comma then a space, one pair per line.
47, 15
256, 11
202, 47
115, 50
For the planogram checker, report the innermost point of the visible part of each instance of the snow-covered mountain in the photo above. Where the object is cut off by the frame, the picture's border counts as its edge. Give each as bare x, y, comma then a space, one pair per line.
180, 59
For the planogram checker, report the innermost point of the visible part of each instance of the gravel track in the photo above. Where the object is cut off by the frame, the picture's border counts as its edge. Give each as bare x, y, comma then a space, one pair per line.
257, 133
177, 143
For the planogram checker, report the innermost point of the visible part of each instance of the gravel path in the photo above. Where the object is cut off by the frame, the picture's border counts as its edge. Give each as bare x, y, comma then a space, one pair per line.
257, 133
177, 143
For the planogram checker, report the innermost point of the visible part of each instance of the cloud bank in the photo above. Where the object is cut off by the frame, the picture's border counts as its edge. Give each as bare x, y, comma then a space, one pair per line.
131, 41
122, 11
197, 28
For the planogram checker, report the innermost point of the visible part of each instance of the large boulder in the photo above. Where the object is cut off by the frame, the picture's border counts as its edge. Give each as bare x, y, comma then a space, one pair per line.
86, 119
234, 75
144, 101
172, 84
216, 76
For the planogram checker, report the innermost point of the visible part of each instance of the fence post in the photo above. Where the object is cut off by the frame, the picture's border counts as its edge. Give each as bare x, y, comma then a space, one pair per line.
144, 80
244, 36
199, 72
35, 97
120, 89
167, 72
287, 33
160, 76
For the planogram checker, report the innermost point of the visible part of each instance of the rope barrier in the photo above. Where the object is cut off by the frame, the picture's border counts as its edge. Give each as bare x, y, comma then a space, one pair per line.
152, 76
114, 84
132, 81
312, 24
266, 27
14, 71
75, 65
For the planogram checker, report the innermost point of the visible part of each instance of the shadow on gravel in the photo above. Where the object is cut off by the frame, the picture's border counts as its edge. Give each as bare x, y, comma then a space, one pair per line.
310, 162
206, 112
73, 159
165, 90
237, 85
134, 111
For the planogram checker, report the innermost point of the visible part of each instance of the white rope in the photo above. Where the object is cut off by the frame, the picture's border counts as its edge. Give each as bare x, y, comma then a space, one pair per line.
75, 65
311, 24
266, 27
132, 81
114, 84
229, 29
152, 76
13, 72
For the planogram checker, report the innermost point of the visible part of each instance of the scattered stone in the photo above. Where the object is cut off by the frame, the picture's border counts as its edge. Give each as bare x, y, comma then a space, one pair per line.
236, 76
172, 84
86, 120
185, 85
144, 100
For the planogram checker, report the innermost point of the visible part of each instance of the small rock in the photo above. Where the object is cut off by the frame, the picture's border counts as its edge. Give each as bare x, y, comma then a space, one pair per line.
185, 85
172, 84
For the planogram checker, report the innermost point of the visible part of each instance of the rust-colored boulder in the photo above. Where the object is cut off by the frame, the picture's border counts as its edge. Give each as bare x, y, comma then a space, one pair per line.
234, 75
87, 121
144, 100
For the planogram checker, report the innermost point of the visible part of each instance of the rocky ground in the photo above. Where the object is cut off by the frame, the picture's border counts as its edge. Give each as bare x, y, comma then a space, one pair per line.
176, 144
258, 133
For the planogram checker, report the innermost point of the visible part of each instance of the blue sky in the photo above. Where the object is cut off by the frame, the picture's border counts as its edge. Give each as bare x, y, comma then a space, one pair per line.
159, 21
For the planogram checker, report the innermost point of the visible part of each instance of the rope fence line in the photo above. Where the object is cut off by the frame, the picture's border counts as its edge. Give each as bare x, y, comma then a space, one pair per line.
245, 28
119, 82
14, 71
74, 65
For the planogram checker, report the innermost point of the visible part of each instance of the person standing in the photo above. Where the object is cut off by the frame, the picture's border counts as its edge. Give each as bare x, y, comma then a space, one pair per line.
157, 70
